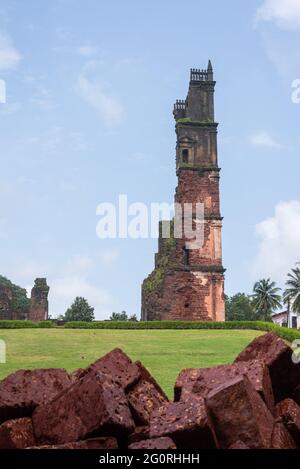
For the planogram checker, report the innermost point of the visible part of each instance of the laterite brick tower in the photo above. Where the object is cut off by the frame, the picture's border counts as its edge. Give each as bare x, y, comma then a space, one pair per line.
188, 284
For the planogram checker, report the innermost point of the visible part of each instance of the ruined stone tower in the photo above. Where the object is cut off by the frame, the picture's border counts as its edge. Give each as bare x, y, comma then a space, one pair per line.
38, 310
188, 284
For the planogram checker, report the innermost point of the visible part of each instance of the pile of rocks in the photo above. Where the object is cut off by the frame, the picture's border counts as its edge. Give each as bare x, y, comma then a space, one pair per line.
115, 403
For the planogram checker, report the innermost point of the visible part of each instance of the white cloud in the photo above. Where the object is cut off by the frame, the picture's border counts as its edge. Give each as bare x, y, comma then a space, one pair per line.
79, 265
10, 108
109, 257
87, 51
43, 99
65, 289
279, 246
264, 139
284, 13
28, 269
9, 56
94, 92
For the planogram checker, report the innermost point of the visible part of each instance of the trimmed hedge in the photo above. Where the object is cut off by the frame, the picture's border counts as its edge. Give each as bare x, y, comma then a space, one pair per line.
283, 332
10, 324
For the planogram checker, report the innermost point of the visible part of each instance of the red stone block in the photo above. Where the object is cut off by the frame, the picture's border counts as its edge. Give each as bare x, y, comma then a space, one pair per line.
201, 381
139, 434
92, 443
145, 396
238, 445
289, 412
94, 404
285, 375
22, 391
186, 422
281, 438
17, 434
115, 364
238, 413
154, 443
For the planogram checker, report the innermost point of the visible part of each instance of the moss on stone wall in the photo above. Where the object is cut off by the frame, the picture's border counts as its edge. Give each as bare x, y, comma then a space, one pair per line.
155, 280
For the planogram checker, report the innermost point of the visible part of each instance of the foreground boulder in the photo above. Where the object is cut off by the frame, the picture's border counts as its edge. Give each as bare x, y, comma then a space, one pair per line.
239, 413
145, 396
91, 443
289, 413
23, 391
186, 423
17, 434
154, 443
95, 403
115, 403
281, 438
116, 364
201, 381
285, 375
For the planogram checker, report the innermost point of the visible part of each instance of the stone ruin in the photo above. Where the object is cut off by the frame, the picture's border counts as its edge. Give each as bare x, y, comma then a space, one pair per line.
187, 283
38, 310
115, 403
38, 304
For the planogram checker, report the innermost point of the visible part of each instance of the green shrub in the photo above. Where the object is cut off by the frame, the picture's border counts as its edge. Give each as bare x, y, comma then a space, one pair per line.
45, 324
283, 332
9, 324
17, 324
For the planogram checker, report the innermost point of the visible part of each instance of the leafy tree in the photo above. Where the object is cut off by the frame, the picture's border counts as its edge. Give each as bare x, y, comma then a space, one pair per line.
80, 310
266, 299
133, 318
292, 292
20, 303
119, 316
239, 307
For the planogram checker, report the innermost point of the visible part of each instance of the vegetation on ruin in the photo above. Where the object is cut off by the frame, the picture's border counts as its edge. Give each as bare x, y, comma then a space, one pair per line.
164, 352
155, 280
20, 302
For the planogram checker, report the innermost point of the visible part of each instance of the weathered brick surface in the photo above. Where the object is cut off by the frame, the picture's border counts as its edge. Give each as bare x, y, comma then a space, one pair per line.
22, 391
116, 364
200, 381
187, 423
187, 295
92, 443
145, 396
239, 413
285, 375
154, 443
95, 403
17, 434
281, 438
289, 412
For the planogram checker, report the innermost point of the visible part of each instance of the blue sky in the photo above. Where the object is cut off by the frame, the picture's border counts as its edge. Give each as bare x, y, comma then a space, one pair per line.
90, 91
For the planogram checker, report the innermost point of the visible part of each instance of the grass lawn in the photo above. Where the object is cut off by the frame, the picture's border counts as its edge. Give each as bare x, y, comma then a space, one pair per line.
163, 352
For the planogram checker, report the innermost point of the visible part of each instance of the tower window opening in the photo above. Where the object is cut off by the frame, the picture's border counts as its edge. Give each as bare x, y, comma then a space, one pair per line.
187, 305
186, 256
185, 156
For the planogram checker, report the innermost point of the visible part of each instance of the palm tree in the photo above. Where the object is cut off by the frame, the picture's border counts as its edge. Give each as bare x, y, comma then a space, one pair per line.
292, 293
266, 298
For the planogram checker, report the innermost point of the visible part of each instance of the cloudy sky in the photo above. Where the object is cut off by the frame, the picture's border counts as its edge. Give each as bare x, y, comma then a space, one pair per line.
90, 90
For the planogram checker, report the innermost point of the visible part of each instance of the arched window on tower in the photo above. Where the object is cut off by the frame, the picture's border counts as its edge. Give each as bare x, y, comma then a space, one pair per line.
185, 155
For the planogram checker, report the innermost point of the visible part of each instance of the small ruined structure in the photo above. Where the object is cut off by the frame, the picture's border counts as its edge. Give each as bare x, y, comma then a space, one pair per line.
38, 310
15, 305
188, 284
6, 298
